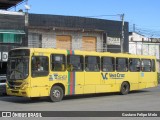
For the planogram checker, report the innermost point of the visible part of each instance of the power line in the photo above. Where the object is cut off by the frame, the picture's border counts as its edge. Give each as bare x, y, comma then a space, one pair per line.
103, 15
146, 31
17, 5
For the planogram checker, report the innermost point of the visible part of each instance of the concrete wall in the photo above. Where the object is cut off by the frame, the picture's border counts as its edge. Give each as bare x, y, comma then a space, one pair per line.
137, 37
49, 38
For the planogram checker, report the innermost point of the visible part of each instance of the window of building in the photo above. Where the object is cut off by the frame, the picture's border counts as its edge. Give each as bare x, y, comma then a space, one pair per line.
58, 62
131, 39
10, 38
92, 63
134, 64
107, 64
146, 65
35, 40
75, 63
153, 66
64, 42
40, 66
122, 64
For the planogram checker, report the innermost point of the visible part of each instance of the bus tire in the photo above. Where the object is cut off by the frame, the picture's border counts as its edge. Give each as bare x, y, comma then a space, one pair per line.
56, 94
125, 88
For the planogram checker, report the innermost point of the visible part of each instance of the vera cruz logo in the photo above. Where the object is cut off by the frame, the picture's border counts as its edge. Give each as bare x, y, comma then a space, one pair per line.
104, 76
107, 76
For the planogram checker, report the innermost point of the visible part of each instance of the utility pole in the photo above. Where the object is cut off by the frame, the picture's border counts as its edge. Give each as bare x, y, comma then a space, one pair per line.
27, 7
122, 37
134, 28
26, 13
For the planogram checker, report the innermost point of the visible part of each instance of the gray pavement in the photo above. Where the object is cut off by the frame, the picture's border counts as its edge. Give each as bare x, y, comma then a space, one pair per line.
142, 100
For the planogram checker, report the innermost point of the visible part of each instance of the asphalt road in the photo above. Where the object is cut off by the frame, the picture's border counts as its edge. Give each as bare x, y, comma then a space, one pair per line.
142, 100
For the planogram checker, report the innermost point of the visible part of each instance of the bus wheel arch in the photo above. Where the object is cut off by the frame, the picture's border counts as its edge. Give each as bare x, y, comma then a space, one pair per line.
57, 92
125, 88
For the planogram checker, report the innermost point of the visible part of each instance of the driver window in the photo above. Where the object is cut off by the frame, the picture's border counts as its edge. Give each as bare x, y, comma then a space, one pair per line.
40, 66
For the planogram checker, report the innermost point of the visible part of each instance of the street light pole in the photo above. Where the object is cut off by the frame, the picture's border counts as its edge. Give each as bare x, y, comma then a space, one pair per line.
122, 36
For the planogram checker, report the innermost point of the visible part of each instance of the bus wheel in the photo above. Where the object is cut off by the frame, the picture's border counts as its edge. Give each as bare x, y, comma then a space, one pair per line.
124, 88
56, 94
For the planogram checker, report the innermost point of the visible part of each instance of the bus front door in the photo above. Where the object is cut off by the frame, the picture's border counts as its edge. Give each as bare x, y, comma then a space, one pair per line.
39, 76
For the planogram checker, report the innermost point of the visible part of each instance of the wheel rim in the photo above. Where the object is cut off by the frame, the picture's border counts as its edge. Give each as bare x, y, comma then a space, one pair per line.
56, 93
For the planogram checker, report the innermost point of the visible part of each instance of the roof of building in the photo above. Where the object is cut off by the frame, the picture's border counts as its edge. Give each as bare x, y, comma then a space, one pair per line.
75, 22
131, 33
6, 4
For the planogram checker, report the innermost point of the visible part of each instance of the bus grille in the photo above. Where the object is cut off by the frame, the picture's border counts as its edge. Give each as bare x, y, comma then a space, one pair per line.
14, 85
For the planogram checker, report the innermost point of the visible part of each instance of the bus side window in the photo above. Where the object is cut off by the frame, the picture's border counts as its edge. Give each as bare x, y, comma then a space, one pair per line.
58, 62
134, 64
75, 63
146, 65
153, 66
122, 64
107, 64
92, 63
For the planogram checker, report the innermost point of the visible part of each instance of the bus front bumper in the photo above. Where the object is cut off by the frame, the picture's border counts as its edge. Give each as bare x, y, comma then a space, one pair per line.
17, 92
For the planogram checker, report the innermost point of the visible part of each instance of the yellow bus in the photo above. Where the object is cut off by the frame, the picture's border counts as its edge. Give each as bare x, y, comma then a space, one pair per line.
39, 72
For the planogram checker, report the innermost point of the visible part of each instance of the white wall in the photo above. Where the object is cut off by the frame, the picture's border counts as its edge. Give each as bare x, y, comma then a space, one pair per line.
136, 46
138, 37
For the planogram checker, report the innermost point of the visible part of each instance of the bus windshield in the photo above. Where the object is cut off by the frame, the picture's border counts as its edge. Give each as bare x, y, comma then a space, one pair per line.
18, 66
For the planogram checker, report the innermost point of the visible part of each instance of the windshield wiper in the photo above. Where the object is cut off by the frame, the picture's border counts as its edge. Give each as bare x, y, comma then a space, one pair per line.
18, 72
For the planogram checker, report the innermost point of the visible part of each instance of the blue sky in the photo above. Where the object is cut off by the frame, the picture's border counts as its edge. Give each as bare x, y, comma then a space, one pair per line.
143, 13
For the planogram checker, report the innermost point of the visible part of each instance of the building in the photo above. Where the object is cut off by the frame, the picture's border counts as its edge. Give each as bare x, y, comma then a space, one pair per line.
142, 45
19, 29
56, 31
6, 4
12, 34
71, 32
12, 30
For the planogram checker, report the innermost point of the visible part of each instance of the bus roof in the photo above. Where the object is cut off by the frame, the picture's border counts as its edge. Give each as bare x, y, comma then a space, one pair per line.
80, 52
